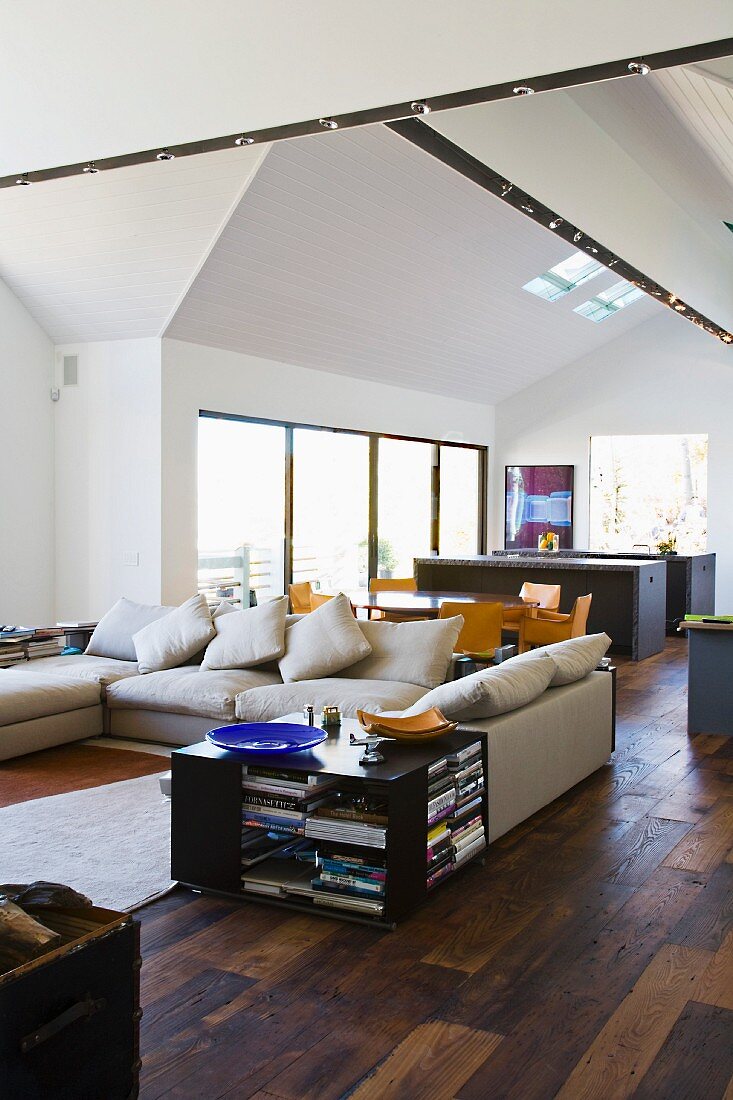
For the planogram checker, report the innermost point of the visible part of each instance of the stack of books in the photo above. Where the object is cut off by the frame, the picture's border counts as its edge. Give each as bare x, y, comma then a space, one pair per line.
351, 882
441, 802
280, 801
356, 820
13, 642
466, 823
45, 642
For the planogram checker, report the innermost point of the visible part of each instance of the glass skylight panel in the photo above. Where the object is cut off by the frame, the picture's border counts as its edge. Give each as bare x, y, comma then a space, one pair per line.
609, 301
564, 277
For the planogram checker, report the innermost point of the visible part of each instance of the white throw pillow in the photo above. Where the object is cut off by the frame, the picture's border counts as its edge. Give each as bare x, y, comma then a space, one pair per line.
323, 642
575, 657
249, 637
412, 653
170, 641
113, 633
494, 690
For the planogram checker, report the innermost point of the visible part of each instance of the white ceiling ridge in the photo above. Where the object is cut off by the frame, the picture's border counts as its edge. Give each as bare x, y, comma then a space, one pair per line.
261, 156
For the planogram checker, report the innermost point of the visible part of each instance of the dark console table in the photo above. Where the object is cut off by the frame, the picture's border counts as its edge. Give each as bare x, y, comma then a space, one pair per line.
206, 819
629, 596
690, 578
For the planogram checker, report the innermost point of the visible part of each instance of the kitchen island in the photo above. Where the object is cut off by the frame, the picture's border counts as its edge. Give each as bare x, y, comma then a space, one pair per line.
690, 578
629, 595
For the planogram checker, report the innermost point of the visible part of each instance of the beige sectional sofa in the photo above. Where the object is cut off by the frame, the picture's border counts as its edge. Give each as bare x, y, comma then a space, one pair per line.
547, 719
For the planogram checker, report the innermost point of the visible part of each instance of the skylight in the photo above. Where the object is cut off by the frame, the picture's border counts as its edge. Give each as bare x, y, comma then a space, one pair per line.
564, 277
609, 301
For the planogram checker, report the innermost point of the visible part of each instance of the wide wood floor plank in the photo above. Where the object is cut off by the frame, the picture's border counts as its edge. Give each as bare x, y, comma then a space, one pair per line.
706, 845
626, 1047
696, 1059
431, 1064
716, 984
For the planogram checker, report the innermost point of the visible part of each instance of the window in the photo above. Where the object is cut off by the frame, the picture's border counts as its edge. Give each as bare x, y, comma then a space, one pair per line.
329, 506
405, 505
459, 501
330, 509
564, 277
241, 503
648, 489
609, 301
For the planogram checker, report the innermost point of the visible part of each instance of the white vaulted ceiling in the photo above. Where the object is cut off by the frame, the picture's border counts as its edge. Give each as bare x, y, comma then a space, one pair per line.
358, 253
108, 256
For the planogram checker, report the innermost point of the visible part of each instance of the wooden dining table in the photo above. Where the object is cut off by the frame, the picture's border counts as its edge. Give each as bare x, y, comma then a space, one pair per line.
427, 604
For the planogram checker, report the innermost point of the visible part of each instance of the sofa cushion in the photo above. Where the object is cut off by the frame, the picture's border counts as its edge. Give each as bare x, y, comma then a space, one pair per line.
575, 657
81, 666
492, 691
23, 698
323, 642
262, 704
188, 690
248, 637
171, 640
113, 633
411, 653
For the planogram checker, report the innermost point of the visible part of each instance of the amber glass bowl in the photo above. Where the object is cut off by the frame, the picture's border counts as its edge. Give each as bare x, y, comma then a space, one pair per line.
419, 727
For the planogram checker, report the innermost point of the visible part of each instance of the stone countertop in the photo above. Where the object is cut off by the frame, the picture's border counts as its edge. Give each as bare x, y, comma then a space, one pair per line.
550, 561
631, 555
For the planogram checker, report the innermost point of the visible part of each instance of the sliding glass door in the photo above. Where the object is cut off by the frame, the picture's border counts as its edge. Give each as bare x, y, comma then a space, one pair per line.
242, 503
330, 509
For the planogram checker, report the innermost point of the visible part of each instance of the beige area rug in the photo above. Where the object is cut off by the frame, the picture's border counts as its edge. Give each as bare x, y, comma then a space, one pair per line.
112, 843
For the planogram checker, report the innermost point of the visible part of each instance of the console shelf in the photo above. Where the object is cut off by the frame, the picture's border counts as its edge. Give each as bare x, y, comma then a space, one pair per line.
206, 817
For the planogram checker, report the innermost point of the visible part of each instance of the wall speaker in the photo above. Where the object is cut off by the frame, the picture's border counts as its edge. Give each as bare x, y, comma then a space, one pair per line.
71, 370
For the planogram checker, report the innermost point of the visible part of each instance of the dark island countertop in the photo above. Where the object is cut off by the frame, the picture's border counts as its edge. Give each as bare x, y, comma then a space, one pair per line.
547, 561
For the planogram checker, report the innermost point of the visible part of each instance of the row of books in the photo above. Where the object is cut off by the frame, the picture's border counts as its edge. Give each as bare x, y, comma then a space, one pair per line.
455, 812
25, 643
334, 880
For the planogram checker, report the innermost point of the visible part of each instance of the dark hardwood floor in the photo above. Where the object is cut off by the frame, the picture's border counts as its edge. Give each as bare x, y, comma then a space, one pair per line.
592, 955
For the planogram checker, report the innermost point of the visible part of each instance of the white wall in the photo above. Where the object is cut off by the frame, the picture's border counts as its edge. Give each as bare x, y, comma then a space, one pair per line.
664, 377
26, 470
108, 460
196, 377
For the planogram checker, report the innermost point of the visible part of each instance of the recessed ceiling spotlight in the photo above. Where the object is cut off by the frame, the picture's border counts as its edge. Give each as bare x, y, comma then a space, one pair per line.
727, 338
672, 299
526, 206
23, 180
680, 307
244, 139
329, 123
505, 187
420, 107
165, 154
523, 89
555, 223
577, 235
90, 169
613, 262
639, 68
592, 248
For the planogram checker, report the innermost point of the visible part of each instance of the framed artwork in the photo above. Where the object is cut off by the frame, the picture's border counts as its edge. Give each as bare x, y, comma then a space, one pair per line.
538, 499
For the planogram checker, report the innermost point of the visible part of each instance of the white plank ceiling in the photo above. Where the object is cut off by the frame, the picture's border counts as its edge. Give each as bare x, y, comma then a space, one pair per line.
702, 98
357, 253
107, 256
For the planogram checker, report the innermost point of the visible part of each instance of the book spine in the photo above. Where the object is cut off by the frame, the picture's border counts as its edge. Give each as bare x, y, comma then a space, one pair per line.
353, 880
288, 827
352, 815
350, 891
352, 871
273, 789
295, 779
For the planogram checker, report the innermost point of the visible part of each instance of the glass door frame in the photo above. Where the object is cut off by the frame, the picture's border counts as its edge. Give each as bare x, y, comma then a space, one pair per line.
482, 454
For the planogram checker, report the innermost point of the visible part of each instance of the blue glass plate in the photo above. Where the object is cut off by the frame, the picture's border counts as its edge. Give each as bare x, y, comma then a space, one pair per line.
266, 737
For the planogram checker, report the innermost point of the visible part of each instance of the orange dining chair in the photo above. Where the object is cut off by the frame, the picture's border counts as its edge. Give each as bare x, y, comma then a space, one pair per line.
553, 627
393, 584
546, 595
300, 597
480, 634
318, 599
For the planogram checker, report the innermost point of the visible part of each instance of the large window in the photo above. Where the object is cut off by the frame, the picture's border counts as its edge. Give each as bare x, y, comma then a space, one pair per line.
647, 490
330, 509
328, 506
405, 505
